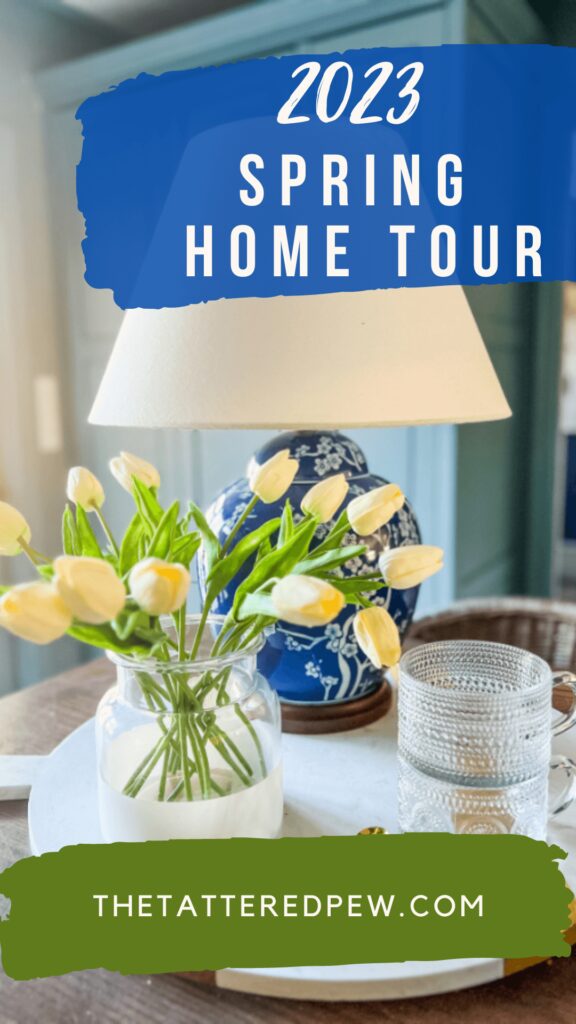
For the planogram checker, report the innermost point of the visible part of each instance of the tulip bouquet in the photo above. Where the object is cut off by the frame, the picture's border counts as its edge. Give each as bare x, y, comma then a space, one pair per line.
129, 596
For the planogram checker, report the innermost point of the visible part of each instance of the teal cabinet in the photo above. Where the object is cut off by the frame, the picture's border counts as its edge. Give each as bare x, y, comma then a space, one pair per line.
504, 494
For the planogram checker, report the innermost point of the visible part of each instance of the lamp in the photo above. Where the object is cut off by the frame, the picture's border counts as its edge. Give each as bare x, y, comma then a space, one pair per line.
375, 358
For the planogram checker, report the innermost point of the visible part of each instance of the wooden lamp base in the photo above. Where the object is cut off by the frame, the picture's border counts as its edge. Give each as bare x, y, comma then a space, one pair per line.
313, 719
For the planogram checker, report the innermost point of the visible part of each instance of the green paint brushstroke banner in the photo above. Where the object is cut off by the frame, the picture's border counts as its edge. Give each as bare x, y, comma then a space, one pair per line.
177, 906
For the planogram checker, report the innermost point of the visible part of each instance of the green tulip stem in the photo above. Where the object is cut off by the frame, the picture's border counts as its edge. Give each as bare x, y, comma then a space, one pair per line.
234, 749
200, 755
142, 773
184, 756
220, 741
176, 792
182, 634
229, 628
217, 789
164, 775
31, 554
249, 508
222, 695
244, 718
201, 627
109, 536
231, 633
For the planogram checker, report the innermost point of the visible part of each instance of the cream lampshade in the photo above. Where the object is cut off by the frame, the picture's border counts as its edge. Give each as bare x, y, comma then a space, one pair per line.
375, 358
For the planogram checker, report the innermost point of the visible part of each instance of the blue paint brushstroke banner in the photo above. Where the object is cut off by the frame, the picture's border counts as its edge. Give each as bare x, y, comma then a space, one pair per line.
307, 174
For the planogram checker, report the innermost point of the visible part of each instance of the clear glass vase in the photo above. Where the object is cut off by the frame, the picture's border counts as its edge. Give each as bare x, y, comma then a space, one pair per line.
190, 749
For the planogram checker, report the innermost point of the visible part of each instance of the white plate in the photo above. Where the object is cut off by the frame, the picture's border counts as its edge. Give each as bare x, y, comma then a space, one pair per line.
354, 786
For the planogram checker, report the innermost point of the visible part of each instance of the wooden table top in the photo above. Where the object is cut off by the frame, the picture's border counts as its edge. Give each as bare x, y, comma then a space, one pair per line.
33, 721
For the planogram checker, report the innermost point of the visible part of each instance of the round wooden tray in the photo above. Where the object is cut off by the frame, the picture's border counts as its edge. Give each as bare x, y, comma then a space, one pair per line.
335, 784
341, 716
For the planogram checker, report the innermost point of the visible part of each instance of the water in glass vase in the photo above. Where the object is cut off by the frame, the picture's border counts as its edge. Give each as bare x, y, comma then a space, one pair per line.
255, 811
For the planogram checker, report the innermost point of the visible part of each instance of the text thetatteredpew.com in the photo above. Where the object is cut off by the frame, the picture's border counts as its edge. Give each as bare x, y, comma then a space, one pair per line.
287, 905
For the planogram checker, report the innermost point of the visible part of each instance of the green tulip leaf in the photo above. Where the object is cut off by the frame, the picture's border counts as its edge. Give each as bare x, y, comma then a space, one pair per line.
185, 521
334, 537
328, 559
147, 504
211, 542
355, 584
184, 549
130, 547
155, 636
161, 542
286, 524
129, 621
264, 549
87, 542
225, 569
70, 539
354, 587
104, 637
256, 604
277, 563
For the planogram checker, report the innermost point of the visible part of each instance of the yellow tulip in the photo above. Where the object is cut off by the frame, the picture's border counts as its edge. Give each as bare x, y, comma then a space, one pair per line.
35, 612
368, 512
126, 466
159, 587
408, 566
271, 480
90, 588
324, 499
306, 601
84, 489
12, 527
377, 635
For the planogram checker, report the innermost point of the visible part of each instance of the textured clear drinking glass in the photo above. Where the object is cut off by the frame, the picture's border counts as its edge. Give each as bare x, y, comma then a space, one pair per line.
475, 729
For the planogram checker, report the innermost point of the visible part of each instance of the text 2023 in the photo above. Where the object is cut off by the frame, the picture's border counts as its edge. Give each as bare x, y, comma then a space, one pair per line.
380, 73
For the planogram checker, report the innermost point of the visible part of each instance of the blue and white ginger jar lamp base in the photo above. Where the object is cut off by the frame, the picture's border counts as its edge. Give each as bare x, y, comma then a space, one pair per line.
315, 666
